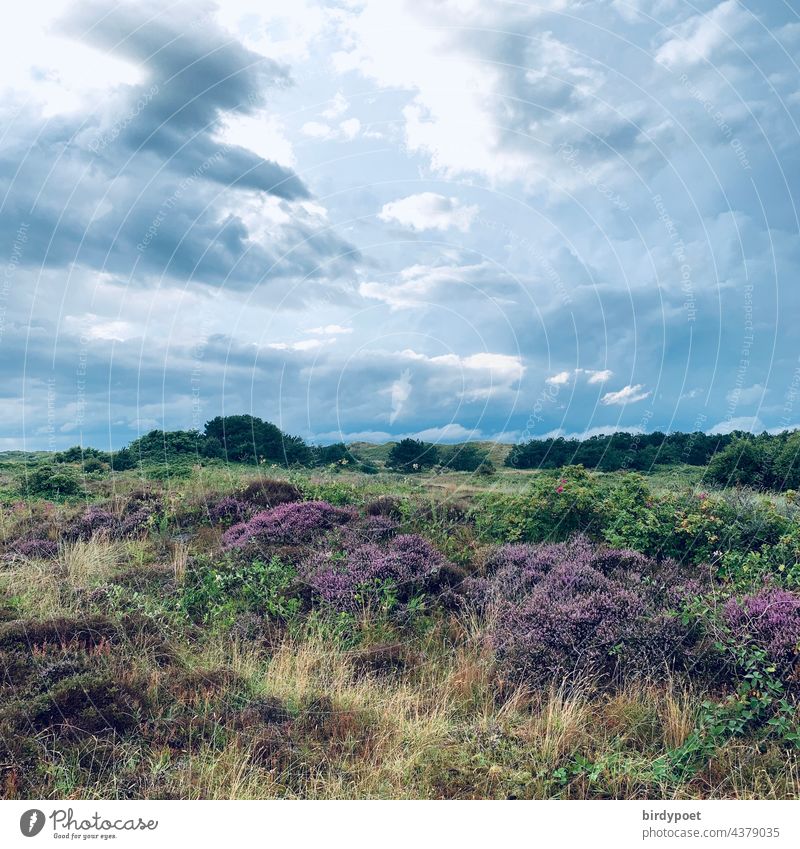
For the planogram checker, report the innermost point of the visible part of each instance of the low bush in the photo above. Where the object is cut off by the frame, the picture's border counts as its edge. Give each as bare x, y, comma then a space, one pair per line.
228, 511
770, 620
374, 573
270, 493
556, 506
296, 523
567, 610
412, 455
36, 549
227, 586
51, 481
93, 521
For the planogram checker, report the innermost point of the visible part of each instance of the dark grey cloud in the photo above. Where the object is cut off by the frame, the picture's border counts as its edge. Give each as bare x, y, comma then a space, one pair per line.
194, 74
142, 187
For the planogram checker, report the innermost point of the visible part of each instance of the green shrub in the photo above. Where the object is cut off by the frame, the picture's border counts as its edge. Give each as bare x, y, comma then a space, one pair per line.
463, 458
556, 506
249, 439
337, 493
745, 462
50, 481
79, 454
413, 455
216, 588
634, 518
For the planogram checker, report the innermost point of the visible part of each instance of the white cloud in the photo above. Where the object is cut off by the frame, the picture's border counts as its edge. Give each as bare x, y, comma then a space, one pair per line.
317, 130
626, 395
474, 98
93, 327
452, 432
751, 424
280, 31
476, 376
302, 345
560, 379
378, 436
600, 376
400, 392
563, 377
262, 133
350, 128
429, 211
57, 73
421, 284
746, 395
702, 35
330, 330
347, 130
339, 105
600, 430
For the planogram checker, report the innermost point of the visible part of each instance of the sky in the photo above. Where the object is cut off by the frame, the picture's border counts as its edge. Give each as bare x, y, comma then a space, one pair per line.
366, 219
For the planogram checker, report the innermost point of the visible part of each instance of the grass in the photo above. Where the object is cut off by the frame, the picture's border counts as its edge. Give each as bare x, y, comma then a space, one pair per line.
109, 690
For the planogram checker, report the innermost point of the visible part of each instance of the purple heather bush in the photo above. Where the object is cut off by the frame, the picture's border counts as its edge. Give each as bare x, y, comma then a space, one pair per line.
295, 523
574, 608
345, 580
372, 529
94, 520
229, 511
771, 620
135, 522
36, 549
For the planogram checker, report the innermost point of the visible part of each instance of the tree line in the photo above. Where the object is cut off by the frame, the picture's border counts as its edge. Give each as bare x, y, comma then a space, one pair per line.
763, 461
770, 461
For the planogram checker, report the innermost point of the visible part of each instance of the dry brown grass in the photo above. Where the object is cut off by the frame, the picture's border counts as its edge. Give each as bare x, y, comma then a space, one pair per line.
430, 725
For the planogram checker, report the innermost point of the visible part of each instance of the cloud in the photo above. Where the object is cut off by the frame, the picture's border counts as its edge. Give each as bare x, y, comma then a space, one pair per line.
178, 221
330, 330
346, 130
452, 432
400, 392
747, 395
428, 211
506, 368
700, 37
626, 395
560, 379
592, 376
600, 430
421, 284
339, 105
749, 424
600, 376
149, 183
302, 345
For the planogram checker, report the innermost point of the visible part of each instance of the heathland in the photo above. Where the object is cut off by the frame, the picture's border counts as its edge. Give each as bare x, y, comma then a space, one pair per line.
235, 614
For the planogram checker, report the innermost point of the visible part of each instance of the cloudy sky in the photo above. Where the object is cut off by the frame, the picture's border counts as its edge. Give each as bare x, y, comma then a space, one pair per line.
367, 218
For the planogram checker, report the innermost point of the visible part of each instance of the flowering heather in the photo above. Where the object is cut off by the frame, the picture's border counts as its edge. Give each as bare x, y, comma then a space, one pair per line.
135, 521
574, 608
296, 523
373, 529
406, 563
771, 619
95, 520
36, 549
516, 569
228, 511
